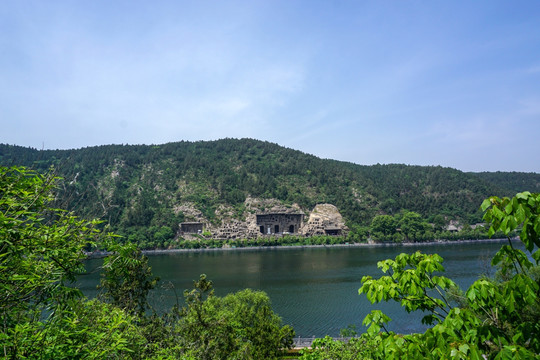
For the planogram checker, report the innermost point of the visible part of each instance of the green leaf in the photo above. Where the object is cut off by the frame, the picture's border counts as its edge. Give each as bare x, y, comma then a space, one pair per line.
536, 257
503, 226
523, 195
508, 208
485, 204
498, 257
497, 213
520, 213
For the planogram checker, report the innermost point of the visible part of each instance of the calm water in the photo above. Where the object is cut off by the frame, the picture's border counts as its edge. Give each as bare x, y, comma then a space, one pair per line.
313, 289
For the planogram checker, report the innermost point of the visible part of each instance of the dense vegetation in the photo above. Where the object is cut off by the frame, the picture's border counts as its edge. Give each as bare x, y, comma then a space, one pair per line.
137, 189
42, 316
496, 318
515, 182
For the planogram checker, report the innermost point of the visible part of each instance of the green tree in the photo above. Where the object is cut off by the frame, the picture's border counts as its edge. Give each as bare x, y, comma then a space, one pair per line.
384, 225
41, 248
237, 326
41, 253
162, 235
439, 222
412, 225
493, 319
358, 233
126, 278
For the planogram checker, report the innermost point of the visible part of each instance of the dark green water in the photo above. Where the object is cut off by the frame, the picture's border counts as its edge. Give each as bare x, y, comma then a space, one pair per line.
313, 289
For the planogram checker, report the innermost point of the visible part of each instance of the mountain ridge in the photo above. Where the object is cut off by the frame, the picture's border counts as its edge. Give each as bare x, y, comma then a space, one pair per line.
134, 186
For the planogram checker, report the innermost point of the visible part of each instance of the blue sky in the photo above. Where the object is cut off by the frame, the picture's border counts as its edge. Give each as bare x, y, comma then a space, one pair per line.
451, 83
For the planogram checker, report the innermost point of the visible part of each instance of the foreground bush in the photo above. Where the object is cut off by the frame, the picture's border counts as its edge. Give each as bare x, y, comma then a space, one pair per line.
43, 316
494, 319
237, 326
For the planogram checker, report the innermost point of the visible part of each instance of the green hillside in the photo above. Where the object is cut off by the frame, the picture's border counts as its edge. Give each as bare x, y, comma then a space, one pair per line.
513, 181
134, 186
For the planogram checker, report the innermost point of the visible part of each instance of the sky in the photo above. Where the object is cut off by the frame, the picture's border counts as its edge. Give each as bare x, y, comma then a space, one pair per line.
450, 83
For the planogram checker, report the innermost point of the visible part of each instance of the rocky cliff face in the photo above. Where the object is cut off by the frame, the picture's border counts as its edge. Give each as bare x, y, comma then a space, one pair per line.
324, 219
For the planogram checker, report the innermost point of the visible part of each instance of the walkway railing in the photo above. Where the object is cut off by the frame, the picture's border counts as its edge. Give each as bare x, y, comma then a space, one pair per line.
300, 342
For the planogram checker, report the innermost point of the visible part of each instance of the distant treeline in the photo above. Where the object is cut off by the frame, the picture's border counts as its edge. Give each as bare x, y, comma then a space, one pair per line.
137, 188
512, 181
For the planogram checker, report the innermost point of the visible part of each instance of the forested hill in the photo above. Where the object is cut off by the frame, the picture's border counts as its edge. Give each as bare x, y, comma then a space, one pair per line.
144, 185
513, 181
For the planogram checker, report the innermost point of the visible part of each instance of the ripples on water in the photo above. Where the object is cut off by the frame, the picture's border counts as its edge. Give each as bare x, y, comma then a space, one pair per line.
313, 289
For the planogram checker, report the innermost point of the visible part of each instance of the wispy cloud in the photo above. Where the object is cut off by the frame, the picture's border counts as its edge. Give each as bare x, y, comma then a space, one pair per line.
367, 83
534, 70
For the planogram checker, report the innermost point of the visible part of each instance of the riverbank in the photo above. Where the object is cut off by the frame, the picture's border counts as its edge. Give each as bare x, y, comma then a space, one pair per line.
283, 247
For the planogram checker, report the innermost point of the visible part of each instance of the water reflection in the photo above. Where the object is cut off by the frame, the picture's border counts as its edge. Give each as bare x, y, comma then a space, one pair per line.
313, 289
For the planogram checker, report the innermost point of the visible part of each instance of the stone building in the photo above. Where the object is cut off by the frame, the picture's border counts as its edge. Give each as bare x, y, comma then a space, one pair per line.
191, 228
266, 218
271, 223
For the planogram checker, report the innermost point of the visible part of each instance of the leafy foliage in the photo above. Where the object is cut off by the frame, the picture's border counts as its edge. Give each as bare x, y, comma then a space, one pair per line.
494, 319
42, 316
412, 283
238, 326
38, 255
507, 214
126, 278
41, 253
82, 330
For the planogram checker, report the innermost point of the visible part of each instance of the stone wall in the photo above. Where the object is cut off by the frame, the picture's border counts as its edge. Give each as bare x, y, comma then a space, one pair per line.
191, 227
235, 229
265, 217
276, 223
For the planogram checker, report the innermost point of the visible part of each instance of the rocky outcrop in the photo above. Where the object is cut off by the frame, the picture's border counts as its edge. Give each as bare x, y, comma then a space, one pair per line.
235, 229
257, 205
325, 219
191, 213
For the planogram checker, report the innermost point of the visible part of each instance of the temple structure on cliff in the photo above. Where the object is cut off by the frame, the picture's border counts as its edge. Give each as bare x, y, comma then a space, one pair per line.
267, 220
271, 223
191, 227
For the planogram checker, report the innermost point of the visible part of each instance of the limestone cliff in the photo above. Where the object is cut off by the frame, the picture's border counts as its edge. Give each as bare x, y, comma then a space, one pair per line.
325, 219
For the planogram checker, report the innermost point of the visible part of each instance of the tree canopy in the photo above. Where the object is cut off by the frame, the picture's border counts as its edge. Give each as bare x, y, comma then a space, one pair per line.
44, 316
137, 189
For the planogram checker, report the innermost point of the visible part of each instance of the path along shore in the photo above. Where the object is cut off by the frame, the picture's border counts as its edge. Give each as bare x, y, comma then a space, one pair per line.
284, 247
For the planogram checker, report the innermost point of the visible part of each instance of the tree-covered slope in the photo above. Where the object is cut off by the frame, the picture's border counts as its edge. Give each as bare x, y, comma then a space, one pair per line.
147, 185
514, 182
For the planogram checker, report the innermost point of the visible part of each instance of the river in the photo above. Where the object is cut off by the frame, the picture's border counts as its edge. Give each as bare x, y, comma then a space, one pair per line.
313, 289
